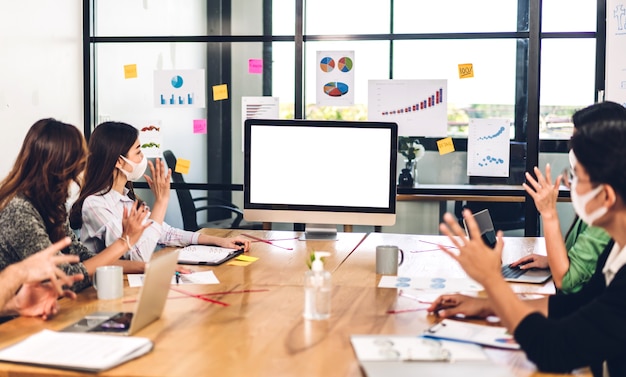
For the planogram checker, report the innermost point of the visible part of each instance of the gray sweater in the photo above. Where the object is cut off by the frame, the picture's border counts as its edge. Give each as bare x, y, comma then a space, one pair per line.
23, 233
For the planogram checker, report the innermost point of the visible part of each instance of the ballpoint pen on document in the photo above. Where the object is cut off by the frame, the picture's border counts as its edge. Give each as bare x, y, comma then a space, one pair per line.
266, 241
177, 274
402, 293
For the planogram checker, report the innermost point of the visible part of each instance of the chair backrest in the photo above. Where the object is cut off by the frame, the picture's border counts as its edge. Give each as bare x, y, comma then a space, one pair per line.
505, 215
185, 200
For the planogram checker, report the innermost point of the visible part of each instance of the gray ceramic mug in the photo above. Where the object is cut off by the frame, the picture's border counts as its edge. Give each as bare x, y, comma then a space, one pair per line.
387, 259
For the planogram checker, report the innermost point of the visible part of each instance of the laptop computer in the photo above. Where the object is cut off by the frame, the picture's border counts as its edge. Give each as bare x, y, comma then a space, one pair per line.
511, 274
150, 303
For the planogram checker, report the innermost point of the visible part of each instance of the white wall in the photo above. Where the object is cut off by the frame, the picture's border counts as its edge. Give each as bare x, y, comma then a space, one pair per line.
41, 69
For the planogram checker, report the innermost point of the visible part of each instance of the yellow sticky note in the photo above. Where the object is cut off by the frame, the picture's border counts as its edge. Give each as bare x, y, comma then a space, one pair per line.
220, 92
246, 258
445, 145
182, 166
466, 71
238, 263
130, 71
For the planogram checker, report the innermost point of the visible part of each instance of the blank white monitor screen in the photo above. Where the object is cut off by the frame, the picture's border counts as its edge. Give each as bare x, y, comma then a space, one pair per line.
321, 172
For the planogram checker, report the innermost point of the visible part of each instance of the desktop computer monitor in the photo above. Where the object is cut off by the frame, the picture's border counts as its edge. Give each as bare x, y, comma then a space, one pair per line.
320, 173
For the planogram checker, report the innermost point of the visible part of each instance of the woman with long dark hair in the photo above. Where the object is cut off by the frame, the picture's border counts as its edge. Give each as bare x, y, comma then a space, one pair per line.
33, 196
115, 161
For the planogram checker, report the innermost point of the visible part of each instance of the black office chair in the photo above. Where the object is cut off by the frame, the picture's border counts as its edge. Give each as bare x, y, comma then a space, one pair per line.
189, 210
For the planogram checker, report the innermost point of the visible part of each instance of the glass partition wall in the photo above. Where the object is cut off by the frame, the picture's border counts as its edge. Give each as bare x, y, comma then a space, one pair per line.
534, 62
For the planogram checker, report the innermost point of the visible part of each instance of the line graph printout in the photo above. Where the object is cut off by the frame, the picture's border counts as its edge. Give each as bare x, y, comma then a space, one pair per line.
418, 106
488, 150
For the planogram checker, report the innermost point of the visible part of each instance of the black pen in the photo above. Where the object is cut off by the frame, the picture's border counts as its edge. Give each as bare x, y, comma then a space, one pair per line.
177, 274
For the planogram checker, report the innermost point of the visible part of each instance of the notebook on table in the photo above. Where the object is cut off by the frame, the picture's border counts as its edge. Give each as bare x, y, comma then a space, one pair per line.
207, 255
150, 303
511, 274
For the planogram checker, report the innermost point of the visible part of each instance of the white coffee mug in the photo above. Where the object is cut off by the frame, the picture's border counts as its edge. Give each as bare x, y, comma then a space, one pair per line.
387, 259
109, 282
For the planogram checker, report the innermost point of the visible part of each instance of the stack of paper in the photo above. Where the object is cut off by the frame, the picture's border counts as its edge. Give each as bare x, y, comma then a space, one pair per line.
79, 351
396, 355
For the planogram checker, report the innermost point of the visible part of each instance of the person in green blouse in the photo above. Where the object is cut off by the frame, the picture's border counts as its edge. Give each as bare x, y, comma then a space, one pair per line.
572, 262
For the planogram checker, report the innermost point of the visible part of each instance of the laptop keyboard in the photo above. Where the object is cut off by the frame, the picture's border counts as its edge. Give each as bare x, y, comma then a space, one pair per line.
511, 272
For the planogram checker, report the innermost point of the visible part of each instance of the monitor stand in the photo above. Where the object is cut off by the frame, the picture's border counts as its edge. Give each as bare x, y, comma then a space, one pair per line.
324, 232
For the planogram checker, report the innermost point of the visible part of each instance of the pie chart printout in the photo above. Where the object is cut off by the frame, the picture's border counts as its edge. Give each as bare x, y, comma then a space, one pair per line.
327, 64
335, 89
344, 64
177, 81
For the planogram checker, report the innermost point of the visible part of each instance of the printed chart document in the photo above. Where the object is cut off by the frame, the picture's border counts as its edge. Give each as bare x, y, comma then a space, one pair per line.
413, 348
493, 336
78, 351
430, 284
206, 255
409, 356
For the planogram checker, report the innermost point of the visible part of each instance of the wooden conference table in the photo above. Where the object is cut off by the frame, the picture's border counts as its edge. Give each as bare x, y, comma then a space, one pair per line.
261, 331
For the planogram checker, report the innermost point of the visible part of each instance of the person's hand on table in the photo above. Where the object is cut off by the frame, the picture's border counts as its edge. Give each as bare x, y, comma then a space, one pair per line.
235, 243
531, 261
447, 306
183, 269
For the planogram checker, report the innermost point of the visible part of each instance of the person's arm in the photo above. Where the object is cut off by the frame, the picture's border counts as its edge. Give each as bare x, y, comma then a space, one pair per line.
483, 264
133, 225
232, 243
545, 194
11, 279
587, 332
583, 257
23, 289
102, 226
24, 234
159, 183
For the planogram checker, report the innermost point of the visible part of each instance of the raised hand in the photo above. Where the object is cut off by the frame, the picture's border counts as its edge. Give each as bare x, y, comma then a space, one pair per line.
40, 299
477, 259
160, 181
134, 222
451, 305
43, 266
543, 191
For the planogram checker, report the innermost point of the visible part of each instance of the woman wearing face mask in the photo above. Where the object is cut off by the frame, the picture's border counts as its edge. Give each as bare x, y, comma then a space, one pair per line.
32, 203
572, 261
115, 161
562, 332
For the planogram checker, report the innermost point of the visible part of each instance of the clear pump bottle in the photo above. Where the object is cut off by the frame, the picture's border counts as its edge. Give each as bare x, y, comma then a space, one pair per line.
317, 289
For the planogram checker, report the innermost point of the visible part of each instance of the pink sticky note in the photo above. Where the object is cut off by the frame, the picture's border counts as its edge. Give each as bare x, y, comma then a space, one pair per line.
255, 66
199, 126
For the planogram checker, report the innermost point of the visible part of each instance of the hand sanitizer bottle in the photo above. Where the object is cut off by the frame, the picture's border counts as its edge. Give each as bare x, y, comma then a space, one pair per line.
317, 289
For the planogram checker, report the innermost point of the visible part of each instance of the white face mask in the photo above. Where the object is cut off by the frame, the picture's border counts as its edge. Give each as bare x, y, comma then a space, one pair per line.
580, 203
73, 192
138, 168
